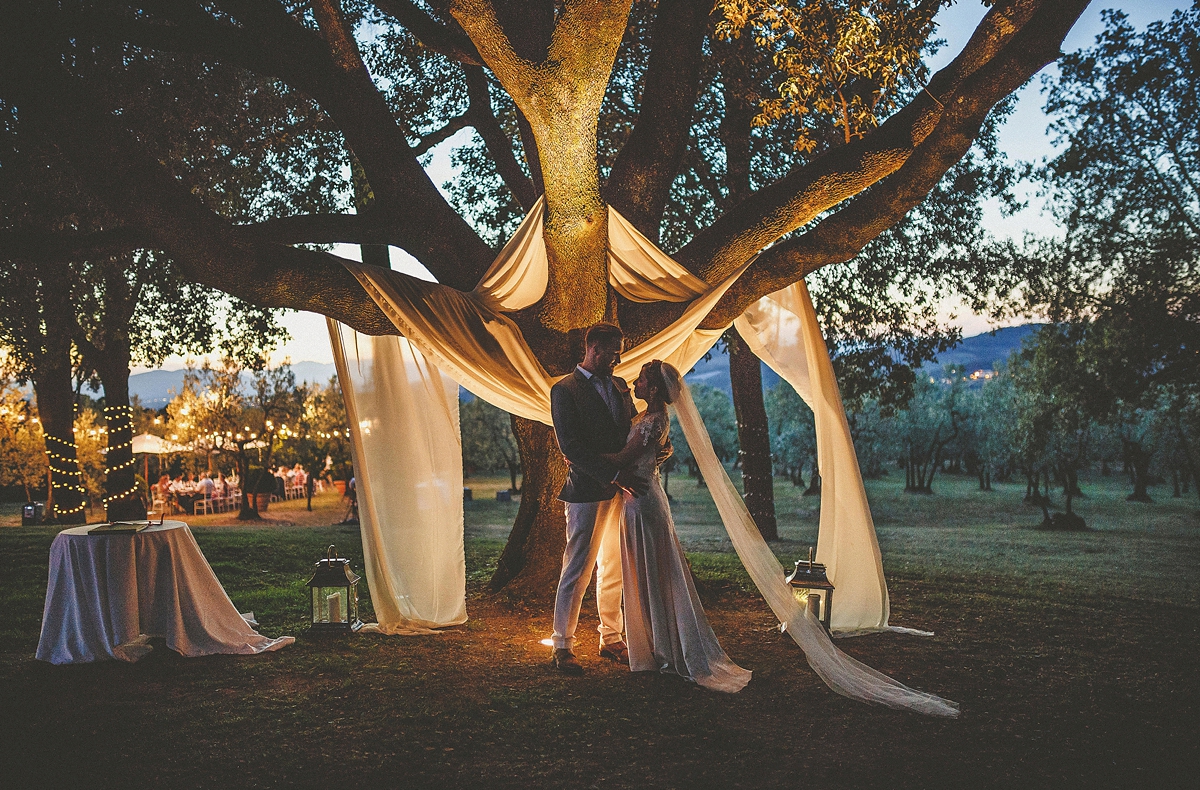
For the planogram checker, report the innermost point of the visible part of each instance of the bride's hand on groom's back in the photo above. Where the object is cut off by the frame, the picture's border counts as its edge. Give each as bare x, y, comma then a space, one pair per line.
633, 483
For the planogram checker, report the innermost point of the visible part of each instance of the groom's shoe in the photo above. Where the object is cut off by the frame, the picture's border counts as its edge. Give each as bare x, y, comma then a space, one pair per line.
617, 651
565, 662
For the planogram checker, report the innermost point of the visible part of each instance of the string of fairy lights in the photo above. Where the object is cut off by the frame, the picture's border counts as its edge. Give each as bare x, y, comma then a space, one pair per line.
120, 417
60, 477
62, 455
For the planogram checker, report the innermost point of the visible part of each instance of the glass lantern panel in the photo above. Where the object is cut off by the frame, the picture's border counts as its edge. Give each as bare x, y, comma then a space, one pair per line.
802, 595
331, 605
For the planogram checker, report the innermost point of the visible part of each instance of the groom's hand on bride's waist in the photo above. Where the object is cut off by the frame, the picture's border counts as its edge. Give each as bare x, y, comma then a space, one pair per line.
633, 483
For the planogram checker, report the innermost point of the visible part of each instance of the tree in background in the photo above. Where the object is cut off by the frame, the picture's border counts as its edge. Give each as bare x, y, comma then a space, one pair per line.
932, 420
321, 436
217, 411
488, 440
793, 437
22, 451
988, 428
1126, 189
91, 441
1060, 396
716, 410
36, 329
136, 309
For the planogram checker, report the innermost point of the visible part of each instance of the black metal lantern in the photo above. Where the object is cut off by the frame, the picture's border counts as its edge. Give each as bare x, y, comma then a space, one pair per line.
334, 590
812, 588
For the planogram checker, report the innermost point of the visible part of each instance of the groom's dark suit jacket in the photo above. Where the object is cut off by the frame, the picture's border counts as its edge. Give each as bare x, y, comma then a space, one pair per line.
585, 428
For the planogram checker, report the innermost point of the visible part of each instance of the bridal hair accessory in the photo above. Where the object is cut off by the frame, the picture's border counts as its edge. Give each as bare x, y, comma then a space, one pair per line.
843, 674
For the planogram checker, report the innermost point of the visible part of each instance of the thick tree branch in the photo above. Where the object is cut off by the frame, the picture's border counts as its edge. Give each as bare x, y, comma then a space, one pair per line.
274, 44
640, 182
447, 131
207, 248
448, 40
841, 236
797, 198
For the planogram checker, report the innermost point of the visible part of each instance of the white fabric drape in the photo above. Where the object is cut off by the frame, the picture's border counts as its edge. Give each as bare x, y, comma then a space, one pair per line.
843, 674
469, 338
781, 329
403, 416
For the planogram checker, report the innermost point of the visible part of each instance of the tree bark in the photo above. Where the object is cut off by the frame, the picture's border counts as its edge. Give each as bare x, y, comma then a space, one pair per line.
754, 441
56, 409
529, 566
121, 498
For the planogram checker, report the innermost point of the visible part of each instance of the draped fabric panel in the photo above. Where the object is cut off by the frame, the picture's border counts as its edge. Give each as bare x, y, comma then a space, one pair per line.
468, 337
403, 415
781, 329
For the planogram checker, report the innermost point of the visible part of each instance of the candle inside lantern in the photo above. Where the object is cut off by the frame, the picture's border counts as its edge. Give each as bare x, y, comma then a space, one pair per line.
335, 607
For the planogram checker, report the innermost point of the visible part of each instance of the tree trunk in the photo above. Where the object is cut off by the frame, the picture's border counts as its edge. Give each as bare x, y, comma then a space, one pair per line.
121, 498
529, 566
754, 440
814, 483
56, 409
1139, 466
247, 511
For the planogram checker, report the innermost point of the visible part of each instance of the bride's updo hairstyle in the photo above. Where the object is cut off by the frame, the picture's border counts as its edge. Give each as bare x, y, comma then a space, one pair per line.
658, 372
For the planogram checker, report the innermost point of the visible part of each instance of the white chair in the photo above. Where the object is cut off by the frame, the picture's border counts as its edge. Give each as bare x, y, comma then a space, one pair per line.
203, 506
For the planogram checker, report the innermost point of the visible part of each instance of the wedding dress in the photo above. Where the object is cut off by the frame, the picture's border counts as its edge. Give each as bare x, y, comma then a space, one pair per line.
665, 626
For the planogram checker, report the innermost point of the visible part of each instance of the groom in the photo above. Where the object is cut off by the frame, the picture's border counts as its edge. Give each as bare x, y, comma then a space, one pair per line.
592, 412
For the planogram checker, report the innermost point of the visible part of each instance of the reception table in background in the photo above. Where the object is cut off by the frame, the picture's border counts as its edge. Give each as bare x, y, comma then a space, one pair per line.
108, 594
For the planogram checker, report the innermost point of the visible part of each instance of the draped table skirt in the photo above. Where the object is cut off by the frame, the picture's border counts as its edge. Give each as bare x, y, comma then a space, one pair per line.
108, 594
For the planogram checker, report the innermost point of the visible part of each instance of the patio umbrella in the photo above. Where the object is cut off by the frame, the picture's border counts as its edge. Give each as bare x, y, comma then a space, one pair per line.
148, 444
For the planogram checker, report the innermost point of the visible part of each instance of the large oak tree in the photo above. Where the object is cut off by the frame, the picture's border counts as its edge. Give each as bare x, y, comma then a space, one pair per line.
535, 79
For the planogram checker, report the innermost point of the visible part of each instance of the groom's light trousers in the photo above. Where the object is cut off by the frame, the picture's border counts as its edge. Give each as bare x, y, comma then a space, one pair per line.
593, 541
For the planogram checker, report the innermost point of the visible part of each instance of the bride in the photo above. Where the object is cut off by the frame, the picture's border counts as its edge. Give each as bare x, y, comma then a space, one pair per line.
665, 626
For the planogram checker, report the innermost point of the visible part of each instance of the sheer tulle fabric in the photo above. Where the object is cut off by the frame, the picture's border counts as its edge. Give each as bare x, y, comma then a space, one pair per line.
840, 672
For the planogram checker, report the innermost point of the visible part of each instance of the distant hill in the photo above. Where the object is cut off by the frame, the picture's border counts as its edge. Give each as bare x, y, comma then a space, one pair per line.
983, 351
155, 387
979, 352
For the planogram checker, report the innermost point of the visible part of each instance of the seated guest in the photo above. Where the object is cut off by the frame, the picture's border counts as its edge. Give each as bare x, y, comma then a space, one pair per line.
206, 487
185, 494
219, 486
161, 491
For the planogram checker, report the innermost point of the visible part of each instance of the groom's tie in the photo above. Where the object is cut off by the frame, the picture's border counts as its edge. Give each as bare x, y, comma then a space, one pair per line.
605, 386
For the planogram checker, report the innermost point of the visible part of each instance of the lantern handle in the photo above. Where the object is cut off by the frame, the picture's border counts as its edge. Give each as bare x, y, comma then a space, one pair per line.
330, 553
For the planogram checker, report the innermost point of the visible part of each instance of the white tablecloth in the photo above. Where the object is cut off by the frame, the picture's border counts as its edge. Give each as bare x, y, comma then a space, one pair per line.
108, 594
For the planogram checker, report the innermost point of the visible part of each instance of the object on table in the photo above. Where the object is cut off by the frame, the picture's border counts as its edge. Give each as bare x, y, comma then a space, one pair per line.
334, 596
118, 526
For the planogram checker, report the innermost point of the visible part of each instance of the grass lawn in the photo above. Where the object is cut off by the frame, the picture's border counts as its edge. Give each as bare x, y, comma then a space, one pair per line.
1074, 656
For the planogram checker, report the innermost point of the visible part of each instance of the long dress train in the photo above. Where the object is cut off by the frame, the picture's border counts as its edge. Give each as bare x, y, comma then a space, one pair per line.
665, 626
